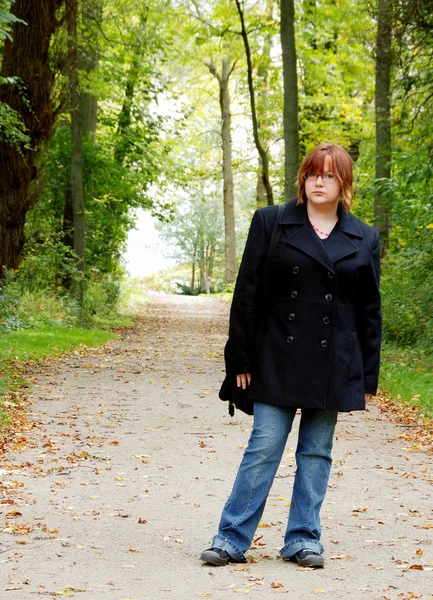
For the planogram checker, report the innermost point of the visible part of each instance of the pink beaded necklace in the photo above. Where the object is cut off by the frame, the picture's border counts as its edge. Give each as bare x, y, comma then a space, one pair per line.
321, 232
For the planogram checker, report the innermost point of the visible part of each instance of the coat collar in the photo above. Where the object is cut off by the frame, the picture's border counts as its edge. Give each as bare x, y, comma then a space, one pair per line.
341, 244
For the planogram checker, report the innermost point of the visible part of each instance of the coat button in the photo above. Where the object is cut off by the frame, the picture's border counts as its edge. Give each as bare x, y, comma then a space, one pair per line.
326, 320
324, 343
292, 317
294, 294
290, 339
328, 297
295, 270
331, 275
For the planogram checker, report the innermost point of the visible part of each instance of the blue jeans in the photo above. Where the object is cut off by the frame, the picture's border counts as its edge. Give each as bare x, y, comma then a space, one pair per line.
244, 508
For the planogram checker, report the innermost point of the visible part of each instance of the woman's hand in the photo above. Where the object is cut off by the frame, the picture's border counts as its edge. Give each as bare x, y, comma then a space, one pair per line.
243, 380
368, 397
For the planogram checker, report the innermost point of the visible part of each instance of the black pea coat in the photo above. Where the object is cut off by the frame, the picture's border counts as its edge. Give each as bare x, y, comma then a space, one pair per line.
312, 339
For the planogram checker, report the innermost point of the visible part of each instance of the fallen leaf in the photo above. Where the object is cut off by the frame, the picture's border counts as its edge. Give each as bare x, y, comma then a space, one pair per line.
275, 585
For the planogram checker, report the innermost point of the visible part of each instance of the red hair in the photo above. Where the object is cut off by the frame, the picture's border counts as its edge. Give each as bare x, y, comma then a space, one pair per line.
341, 167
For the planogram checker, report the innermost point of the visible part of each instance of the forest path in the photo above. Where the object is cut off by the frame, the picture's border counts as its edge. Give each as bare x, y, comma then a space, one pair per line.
117, 482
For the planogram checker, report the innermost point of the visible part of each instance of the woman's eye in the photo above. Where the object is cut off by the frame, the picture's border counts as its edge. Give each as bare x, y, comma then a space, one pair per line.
329, 177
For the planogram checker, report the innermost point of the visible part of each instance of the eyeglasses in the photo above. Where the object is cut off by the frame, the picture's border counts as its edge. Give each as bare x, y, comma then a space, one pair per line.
326, 177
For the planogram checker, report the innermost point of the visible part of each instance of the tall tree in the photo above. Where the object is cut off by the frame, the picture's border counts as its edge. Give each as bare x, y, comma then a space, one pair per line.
290, 110
263, 155
263, 79
79, 218
26, 57
228, 193
382, 209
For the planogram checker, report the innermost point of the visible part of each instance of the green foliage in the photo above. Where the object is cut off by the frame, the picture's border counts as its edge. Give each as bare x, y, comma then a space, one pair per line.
196, 235
12, 128
7, 19
337, 73
9, 302
110, 191
408, 376
100, 301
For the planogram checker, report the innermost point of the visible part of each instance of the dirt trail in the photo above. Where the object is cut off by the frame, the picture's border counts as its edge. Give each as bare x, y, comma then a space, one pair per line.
118, 481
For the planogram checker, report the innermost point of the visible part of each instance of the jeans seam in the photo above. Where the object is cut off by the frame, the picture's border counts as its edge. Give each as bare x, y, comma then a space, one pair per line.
313, 461
253, 489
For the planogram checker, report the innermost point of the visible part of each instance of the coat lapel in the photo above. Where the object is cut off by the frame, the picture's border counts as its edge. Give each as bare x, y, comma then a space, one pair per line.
340, 244
345, 240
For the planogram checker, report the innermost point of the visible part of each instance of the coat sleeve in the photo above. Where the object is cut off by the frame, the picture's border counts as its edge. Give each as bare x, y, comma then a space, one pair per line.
239, 351
370, 318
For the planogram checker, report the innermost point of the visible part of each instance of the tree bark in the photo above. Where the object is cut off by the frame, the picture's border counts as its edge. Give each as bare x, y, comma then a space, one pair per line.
77, 149
290, 111
228, 191
193, 276
88, 62
25, 56
262, 152
382, 208
204, 283
262, 75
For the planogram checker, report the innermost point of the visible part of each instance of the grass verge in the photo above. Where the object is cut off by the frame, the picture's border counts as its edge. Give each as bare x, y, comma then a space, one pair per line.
21, 346
407, 376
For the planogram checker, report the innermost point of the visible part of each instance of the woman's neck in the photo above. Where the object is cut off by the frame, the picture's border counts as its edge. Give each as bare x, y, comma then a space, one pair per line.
322, 212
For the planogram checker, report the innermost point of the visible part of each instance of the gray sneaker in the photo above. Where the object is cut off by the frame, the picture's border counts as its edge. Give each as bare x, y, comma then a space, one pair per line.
308, 558
218, 557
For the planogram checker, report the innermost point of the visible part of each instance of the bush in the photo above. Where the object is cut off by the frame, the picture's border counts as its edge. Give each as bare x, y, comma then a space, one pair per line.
9, 303
100, 299
407, 293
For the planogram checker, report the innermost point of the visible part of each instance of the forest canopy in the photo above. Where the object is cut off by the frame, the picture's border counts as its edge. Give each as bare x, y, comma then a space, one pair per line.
200, 111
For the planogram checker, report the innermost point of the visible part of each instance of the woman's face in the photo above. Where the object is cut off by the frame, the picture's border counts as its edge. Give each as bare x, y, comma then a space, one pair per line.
324, 189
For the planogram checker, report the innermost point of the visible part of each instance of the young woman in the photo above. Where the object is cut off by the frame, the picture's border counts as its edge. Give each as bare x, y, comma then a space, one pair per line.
311, 341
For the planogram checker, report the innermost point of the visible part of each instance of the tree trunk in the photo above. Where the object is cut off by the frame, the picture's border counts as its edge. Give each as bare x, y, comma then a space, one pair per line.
228, 192
88, 62
262, 152
382, 209
77, 149
262, 75
290, 111
203, 273
25, 56
193, 276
